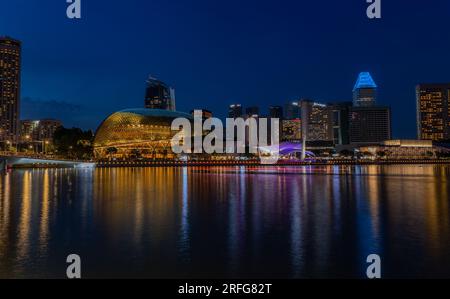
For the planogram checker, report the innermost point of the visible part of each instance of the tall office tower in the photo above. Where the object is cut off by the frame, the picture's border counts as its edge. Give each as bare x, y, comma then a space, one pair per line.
292, 110
365, 91
10, 63
370, 124
276, 112
433, 112
235, 111
159, 95
252, 112
340, 121
316, 121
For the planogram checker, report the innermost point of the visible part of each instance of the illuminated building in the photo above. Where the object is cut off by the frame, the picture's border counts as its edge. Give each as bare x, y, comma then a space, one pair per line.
370, 124
433, 113
285, 150
404, 149
235, 111
316, 121
137, 133
38, 130
365, 91
292, 130
10, 63
159, 95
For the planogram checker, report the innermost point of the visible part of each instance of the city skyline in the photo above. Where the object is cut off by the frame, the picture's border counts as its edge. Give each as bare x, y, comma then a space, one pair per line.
222, 63
367, 121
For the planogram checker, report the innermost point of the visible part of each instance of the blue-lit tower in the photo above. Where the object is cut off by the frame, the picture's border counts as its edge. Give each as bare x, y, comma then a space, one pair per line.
365, 91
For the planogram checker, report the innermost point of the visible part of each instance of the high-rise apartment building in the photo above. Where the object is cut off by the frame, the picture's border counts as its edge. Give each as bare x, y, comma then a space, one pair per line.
10, 66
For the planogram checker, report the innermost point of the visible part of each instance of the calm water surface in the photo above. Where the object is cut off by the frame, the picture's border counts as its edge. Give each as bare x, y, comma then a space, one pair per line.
310, 222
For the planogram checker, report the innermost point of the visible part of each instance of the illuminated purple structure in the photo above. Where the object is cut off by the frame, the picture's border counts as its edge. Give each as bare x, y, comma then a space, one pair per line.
286, 148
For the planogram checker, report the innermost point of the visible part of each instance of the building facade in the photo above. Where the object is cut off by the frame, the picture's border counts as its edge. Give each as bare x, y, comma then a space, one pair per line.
405, 149
433, 113
370, 124
10, 68
291, 130
137, 134
341, 122
316, 121
38, 130
159, 95
365, 91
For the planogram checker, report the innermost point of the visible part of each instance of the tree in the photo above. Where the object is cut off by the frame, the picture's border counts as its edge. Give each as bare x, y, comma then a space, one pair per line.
74, 143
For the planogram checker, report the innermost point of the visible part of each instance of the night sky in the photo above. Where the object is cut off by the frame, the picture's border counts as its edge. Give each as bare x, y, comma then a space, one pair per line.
216, 52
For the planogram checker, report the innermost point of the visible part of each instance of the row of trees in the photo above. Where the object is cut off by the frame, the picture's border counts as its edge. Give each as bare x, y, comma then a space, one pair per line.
73, 143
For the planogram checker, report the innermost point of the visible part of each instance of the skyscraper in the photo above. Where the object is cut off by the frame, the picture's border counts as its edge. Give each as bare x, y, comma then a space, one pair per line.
341, 122
235, 111
10, 64
370, 124
365, 91
159, 95
433, 112
316, 121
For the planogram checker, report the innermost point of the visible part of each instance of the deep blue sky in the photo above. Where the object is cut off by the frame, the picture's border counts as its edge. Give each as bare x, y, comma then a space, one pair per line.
216, 52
